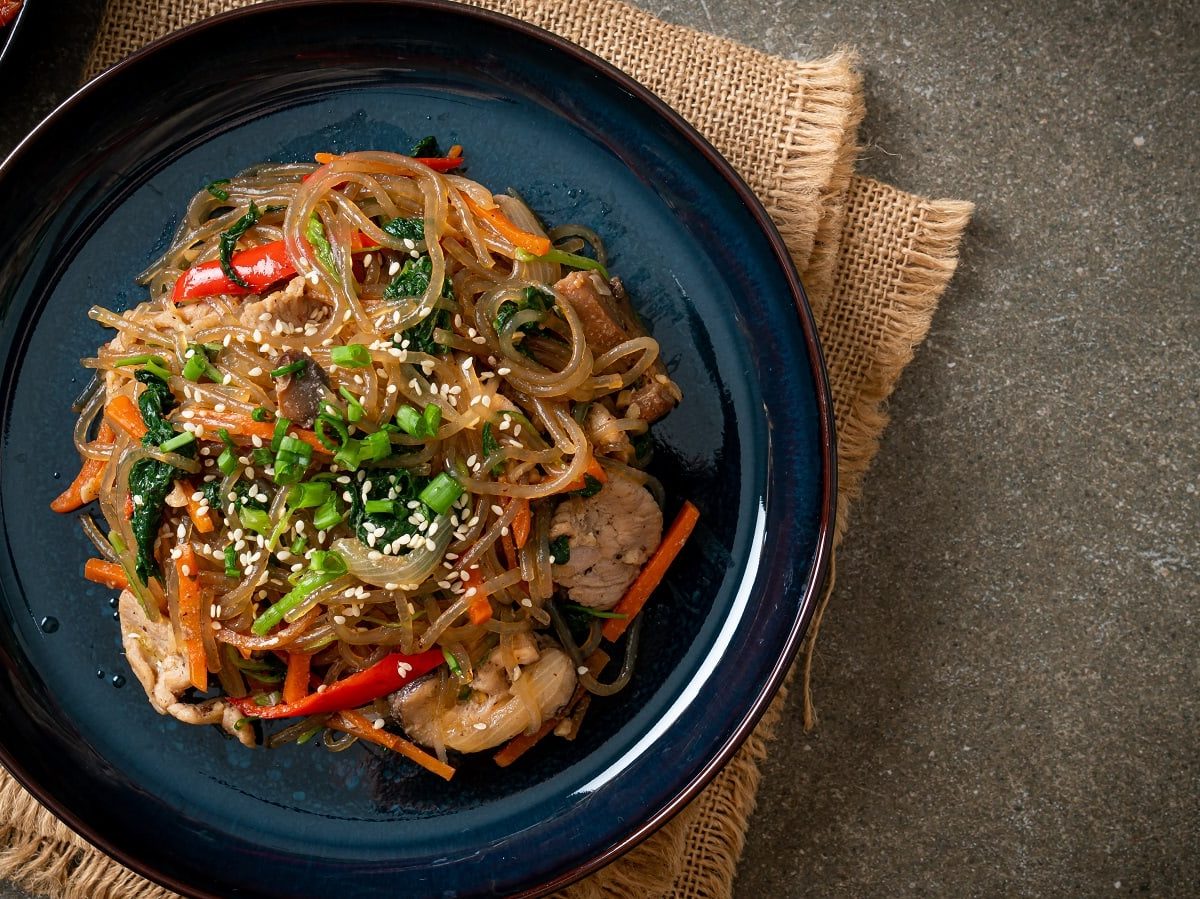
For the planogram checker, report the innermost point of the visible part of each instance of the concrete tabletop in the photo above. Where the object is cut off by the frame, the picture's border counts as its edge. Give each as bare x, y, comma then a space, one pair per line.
1007, 681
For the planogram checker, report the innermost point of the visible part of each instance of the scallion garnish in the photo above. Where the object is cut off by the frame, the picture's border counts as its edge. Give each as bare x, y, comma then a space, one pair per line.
290, 369
440, 493
281, 426
308, 495
431, 420
179, 440
354, 409
255, 519
323, 424
378, 506
227, 462
327, 516
260, 413
455, 668
231, 567
409, 420
291, 459
375, 447
324, 568
353, 355
564, 258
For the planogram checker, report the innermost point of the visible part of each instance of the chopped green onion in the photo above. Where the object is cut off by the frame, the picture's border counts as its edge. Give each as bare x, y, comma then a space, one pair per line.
262, 457
326, 421
377, 506
196, 367
563, 258
409, 420
350, 454
353, 355
158, 370
354, 409
290, 369
223, 433
376, 446
277, 531
297, 546
431, 420
440, 493
327, 516
179, 440
281, 426
291, 459
455, 668
308, 495
139, 360
260, 413
231, 567
255, 519
227, 462
325, 567
267, 699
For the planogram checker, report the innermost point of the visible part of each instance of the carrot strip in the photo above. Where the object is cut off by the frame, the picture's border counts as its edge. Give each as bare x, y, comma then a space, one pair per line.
535, 244
510, 550
202, 520
354, 723
595, 469
86, 486
521, 523
295, 685
122, 412
652, 573
522, 743
455, 152
110, 574
190, 598
245, 426
479, 610
324, 158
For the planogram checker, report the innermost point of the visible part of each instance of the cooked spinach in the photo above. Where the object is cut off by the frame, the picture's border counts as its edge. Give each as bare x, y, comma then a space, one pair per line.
560, 550
228, 243
425, 147
591, 486
315, 232
385, 527
413, 228
412, 281
215, 188
149, 479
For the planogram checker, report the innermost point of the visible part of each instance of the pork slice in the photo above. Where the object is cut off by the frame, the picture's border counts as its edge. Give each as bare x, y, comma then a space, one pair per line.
299, 395
294, 306
611, 535
162, 671
608, 318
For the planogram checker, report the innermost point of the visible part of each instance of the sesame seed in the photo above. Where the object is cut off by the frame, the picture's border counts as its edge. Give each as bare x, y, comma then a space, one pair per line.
479, 725
582, 669
378, 724
255, 372
393, 268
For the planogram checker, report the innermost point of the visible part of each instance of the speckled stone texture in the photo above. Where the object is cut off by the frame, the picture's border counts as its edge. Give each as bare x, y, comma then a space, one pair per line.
1008, 681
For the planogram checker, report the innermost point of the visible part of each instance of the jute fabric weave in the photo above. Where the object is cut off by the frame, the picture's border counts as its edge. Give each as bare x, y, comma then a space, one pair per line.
875, 261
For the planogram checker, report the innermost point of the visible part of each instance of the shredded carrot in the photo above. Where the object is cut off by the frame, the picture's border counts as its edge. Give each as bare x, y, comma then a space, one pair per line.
652, 573
455, 151
86, 486
595, 469
510, 550
479, 610
535, 244
357, 724
202, 520
122, 412
128, 506
522, 743
110, 574
190, 599
295, 685
521, 523
245, 426
325, 158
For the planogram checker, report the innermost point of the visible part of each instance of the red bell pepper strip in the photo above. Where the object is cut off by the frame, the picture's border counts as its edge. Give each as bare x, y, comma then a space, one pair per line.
260, 267
386, 676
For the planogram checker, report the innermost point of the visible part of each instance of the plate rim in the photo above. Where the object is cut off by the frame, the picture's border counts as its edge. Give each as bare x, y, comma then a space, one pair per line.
821, 558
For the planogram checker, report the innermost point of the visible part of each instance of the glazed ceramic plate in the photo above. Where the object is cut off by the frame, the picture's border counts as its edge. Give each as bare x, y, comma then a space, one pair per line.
95, 192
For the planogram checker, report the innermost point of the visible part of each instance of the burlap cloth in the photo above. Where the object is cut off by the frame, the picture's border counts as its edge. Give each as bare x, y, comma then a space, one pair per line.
874, 259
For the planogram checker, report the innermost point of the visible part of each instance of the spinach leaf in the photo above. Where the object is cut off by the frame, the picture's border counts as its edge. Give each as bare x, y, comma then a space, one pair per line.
315, 232
155, 402
149, 479
425, 147
560, 550
214, 188
212, 494
149, 484
413, 228
591, 486
412, 281
491, 445
228, 243
384, 526
531, 298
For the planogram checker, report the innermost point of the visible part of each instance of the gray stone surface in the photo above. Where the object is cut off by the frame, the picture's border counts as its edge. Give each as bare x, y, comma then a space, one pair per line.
1008, 680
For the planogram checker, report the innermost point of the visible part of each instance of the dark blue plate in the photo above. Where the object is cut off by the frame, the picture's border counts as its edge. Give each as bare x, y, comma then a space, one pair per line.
95, 192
